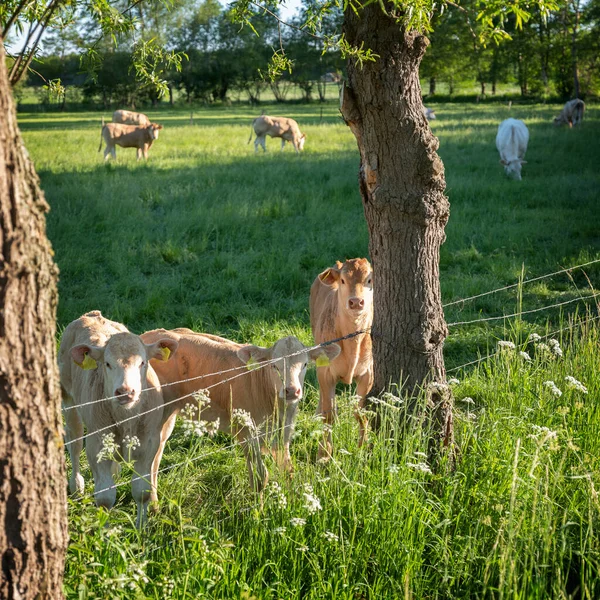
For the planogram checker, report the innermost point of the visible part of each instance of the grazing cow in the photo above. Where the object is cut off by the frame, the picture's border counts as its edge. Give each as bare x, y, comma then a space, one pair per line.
571, 114
511, 142
127, 117
429, 114
128, 136
341, 303
270, 395
281, 127
99, 359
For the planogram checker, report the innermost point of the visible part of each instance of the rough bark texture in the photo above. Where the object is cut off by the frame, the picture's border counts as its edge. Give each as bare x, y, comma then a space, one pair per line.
33, 516
402, 186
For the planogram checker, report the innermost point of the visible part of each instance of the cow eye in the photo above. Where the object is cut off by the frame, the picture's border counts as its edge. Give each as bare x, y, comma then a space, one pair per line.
143, 363
343, 282
369, 281
108, 366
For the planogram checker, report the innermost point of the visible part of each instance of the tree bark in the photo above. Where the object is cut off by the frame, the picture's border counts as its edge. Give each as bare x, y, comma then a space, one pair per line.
402, 185
33, 535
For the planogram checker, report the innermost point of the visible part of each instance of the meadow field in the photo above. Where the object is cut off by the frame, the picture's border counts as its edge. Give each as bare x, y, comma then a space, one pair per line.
210, 236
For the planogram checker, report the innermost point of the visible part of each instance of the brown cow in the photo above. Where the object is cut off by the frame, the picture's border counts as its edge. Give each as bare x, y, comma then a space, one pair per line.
127, 117
341, 303
571, 114
100, 359
270, 396
281, 127
128, 136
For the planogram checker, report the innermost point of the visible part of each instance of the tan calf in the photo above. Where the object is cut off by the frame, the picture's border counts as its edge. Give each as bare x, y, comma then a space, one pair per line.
128, 117
281, 127
99, 359
571, 114
341, 303
128, 136
270, 395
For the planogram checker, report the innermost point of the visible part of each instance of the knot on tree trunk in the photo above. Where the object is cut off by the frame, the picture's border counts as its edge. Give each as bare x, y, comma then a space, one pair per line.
429, 334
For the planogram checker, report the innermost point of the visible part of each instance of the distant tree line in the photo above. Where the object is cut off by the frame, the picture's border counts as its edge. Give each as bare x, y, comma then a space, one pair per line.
558, 56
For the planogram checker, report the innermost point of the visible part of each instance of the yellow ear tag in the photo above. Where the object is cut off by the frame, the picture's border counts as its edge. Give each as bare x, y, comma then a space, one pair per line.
251, 364
166, 352
322, 360
88, 363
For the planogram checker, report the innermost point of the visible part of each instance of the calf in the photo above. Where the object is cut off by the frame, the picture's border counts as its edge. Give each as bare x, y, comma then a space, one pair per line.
127, 117
571, 114
511, 141
281, 127
341, 303
128, 136
99, 359
271, 395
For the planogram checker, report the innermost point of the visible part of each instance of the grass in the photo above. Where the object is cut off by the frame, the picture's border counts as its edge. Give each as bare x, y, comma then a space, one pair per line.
208, 235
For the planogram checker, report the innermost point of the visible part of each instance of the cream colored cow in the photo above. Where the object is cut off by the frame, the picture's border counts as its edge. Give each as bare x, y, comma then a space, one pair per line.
281, 127
128, 136
100, 359
571, 114
128, 117
270, 395
341, 303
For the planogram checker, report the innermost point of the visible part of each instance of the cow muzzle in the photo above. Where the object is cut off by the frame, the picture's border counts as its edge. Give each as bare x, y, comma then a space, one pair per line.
126, 395
357, 304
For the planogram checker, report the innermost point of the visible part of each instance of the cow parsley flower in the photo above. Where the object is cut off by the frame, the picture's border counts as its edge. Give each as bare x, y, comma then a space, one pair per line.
303, 548
436, 386
545, 432
202, 398
555, 348
131, 442
420, 466
277, 494
109, 448
468, 400
534, 338
453, 381
574, 384
553, 389
331, 537
505, 345
344, 452
279, 530
242, 418
311, 503
393, 469
525, 356
297, 522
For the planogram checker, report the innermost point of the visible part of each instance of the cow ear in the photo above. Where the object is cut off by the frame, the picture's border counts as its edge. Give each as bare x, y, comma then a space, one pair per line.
249, 354
331, 275
86, 357
161, 350
331, 351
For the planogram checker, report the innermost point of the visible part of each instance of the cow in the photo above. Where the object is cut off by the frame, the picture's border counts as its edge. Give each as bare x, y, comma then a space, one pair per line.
511, 142
269, 395
127, 117
128, 136
571, 114
429, 114
341, 303
281, 127
97, 359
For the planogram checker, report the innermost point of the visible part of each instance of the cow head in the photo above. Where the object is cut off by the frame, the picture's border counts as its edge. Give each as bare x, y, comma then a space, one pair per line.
123, 362
301, 141
153, 130
354, 282
513, 167
289, 372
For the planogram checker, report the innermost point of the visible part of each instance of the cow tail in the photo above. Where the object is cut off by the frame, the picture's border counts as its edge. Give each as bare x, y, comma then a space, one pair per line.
251, 131
101, 132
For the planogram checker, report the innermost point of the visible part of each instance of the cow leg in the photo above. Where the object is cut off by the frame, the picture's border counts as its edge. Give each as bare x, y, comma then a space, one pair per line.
74, 430
107, 152
145, 152
326, 409
165, 434
105, 493
113, 151
143, 489
363, 387
261, 139
282, 144
139, 153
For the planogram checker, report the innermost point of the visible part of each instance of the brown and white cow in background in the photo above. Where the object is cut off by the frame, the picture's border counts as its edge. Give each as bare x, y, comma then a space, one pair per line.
571, 114
281, 127
99, 359
127, 117
341, 303
270, 395
128, 136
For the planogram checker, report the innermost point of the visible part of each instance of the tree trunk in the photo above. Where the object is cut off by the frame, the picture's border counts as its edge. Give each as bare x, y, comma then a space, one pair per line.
574, 50
33, 535
402, 185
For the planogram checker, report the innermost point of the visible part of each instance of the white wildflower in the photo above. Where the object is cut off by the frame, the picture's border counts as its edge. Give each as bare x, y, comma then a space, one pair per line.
302, 548
297, 522
311, 503
573, 383
276, 492
393, 469
421, 454
344, 452
202, 397
453, 381
534, 337
131, 442
109, 448
553, 389
331, 537
525, 356
420, 466
200, 428
242, 418
279, 530
505, 345
435, 386
545, 432
468, 400
555, 348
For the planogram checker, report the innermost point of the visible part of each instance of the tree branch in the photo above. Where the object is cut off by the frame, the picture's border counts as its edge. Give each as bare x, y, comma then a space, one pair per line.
282, 22
13, 18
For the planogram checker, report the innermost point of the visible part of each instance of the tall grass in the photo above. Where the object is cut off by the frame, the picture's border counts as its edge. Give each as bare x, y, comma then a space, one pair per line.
208, 235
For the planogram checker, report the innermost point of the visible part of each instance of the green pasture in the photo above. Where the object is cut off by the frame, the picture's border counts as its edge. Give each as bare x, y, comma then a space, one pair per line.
208, 235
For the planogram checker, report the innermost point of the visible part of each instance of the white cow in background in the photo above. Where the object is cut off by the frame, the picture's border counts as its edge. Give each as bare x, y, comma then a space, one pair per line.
511, 141
429, 113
